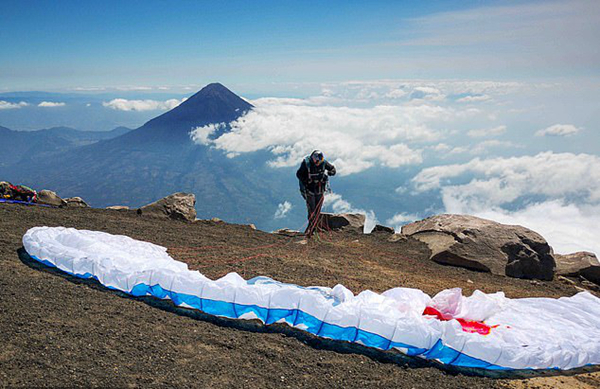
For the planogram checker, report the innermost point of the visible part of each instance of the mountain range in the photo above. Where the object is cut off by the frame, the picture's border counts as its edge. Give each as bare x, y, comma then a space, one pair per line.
19, 146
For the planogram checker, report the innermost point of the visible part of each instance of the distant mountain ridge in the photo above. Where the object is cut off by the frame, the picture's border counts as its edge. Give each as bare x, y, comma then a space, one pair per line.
19, 145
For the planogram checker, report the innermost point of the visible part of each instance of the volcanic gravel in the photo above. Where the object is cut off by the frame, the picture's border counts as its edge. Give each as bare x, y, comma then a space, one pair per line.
60, 331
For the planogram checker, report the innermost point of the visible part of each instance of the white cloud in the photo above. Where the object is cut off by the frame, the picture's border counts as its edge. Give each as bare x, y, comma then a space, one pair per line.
133, 88
89, 88
336, 203
396, 94
487, 132
8, 105
557, 195
354, 139
547, 174
51, 104
427, 93
201, 135
282, 210
473, 99
438, 89
400, 219
441, 147
483, 147
142, 105
558, 130
567, 227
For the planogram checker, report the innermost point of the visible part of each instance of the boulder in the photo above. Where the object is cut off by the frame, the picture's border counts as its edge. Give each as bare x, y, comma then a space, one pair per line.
484, 245
343, 221
178, 206
76, 202
118, 207
287, 232
583, 263
384, 229
397, 238
48, 197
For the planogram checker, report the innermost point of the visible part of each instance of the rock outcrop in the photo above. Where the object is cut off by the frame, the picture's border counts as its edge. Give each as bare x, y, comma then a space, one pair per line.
578, 264
178, 206
76, 202
48, 197
343, 221
484, 245
118, 207
383, 229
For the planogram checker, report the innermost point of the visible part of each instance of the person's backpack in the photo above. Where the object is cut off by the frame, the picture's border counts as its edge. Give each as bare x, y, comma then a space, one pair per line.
23, 193
5, 190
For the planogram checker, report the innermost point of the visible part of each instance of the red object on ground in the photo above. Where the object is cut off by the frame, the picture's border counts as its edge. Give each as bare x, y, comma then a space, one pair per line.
470, 326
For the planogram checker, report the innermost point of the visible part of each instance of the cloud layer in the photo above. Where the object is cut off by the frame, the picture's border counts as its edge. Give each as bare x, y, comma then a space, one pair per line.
487, 132
51, 104
9, 105
558, 130
354, 139
142, 105
557, 195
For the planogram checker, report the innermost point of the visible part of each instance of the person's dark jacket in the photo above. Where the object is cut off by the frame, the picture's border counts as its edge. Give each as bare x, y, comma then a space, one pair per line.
312, 177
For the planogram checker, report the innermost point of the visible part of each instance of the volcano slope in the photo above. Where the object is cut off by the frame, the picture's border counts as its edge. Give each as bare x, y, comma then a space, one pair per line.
57, 330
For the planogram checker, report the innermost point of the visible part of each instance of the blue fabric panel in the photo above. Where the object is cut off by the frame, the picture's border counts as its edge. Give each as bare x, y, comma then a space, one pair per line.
24, 202
276, 314
333, 331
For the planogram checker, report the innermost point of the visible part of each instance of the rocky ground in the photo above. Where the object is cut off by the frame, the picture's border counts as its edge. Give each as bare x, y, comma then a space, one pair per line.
61, 331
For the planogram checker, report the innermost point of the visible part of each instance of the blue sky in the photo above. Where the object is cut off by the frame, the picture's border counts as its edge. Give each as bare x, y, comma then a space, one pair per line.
62, 45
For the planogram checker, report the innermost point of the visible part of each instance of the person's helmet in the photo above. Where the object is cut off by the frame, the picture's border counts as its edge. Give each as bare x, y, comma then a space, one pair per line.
317, 157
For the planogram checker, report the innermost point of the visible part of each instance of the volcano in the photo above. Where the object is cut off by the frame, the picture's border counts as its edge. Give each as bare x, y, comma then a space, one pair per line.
159, 158
212, 104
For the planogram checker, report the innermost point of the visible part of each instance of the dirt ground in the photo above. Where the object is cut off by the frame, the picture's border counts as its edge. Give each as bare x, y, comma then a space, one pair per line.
58, 331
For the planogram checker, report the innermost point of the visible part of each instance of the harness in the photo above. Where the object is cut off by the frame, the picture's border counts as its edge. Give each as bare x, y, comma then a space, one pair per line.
316, 176
21, 191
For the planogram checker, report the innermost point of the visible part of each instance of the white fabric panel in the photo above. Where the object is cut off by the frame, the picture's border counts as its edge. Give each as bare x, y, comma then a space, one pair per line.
190, 282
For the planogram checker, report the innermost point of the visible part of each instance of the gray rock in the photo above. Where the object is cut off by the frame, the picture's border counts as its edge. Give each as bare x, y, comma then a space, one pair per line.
76, 202
178, 206
48, 197
583, 263
118, 207
287, 232
397, 238
343, 221
484, 245
383, 229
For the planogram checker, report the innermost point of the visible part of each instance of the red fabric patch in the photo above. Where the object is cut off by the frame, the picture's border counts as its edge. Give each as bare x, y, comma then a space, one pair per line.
471, 326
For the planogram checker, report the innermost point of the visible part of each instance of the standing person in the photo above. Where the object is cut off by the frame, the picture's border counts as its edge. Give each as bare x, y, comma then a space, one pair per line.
313, 176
